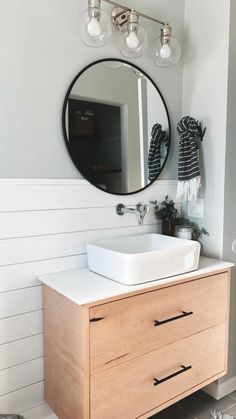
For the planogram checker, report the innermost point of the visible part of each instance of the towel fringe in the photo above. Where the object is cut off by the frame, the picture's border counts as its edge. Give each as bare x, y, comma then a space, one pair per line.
189, 189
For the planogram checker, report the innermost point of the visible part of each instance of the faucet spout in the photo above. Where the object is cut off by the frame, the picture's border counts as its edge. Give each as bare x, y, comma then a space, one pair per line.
140, 210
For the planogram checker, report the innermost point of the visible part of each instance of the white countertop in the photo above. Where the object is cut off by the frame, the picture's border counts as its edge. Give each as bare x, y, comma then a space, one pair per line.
85, 287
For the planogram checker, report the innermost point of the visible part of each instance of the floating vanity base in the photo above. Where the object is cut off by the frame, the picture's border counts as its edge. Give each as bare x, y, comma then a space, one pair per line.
133, 353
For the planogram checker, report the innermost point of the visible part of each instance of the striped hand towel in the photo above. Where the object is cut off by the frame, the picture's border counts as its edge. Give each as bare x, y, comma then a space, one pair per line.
154, 155
189, 179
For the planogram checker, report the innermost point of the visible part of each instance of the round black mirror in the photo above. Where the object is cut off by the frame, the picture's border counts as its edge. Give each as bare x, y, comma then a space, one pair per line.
116, 126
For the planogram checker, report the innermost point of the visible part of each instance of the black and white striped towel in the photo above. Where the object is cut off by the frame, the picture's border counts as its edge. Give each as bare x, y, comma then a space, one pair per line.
154, 155
189, 179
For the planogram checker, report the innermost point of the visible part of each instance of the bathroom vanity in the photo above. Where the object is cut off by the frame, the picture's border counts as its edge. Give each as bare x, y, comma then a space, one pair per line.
114, 351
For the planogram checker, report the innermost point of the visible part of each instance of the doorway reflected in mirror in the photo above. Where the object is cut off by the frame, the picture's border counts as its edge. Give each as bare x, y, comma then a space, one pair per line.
110, 118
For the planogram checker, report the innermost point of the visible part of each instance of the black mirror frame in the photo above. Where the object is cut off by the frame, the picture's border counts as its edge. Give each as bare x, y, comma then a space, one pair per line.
64, 119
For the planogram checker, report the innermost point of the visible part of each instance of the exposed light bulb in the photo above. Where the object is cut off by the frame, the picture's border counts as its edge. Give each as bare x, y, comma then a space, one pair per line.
94, 28
168, 50
135, 39
165, 51
132, 40
95, 25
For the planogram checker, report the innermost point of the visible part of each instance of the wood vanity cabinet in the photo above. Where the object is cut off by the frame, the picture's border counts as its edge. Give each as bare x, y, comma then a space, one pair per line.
133, 355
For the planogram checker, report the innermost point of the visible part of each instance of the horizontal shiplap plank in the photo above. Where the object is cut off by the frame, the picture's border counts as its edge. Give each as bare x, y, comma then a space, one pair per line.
22, 326
23, 399
31, 249
29, 194
25, 275
13, 303
20, 351
20, 376
35, 223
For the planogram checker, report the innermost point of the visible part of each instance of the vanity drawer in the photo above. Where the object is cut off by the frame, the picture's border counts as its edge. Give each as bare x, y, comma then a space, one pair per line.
127, 328
128, 390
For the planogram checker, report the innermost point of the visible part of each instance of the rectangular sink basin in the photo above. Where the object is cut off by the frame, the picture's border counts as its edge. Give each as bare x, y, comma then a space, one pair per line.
132, 260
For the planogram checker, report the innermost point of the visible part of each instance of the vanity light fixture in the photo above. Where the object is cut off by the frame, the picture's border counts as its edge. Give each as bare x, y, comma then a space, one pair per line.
96, 31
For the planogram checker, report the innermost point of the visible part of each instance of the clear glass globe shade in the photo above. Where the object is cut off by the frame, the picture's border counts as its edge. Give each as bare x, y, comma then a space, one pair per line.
95, 29
134, 43
167, 55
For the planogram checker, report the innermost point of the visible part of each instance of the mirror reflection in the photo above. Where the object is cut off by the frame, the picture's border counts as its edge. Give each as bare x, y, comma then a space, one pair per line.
116, 127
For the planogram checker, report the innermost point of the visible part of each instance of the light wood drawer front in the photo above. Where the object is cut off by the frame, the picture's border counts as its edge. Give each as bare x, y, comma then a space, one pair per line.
128, 391
124, 329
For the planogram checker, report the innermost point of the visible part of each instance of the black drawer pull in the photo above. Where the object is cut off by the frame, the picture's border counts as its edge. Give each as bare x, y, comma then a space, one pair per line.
184, 314
183, 369
96, 319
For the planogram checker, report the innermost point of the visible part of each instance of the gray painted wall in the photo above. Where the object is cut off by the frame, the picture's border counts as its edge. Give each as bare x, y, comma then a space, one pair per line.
205, 98
230, 188
209, 94
41, 46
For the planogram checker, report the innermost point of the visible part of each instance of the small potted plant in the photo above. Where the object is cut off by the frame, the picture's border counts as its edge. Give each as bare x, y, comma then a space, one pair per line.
197, 232
167, 213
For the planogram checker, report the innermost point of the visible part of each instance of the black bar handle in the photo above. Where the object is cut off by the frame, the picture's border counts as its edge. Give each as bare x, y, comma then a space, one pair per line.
96, 319
184, 314
183, 369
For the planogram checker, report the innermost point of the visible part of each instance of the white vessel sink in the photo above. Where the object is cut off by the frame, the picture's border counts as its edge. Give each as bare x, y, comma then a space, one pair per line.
132, 260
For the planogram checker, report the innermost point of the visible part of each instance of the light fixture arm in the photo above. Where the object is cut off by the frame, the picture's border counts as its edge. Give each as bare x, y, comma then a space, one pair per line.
125, 8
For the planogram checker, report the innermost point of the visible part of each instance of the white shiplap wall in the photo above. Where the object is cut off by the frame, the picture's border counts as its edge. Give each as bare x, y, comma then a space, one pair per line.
44, 227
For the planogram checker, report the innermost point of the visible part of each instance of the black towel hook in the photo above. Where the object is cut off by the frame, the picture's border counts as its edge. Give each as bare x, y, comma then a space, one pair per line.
201, 131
